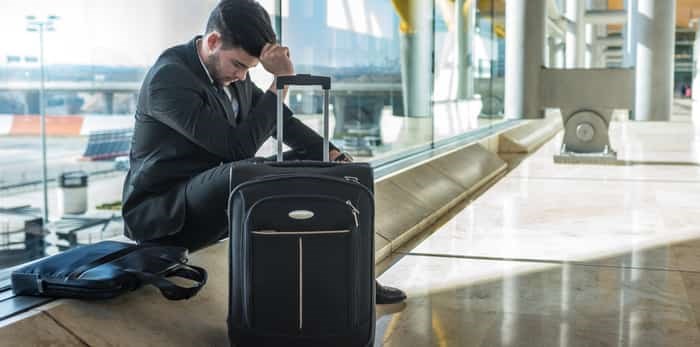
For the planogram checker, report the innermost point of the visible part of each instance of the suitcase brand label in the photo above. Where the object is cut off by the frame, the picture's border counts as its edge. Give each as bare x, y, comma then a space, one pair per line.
301, 214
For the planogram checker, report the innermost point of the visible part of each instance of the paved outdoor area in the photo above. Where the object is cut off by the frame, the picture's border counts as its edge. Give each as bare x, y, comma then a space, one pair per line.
20, 158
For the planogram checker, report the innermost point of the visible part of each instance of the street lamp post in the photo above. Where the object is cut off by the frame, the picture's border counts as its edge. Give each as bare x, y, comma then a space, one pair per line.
40, 26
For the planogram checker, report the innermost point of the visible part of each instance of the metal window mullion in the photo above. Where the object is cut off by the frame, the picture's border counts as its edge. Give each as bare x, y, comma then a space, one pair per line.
301, 287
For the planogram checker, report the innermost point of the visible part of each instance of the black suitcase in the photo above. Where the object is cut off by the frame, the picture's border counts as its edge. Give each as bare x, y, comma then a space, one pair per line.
302, 248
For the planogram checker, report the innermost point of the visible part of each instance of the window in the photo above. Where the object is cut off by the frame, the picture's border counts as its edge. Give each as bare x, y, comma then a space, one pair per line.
92, 79
407, 75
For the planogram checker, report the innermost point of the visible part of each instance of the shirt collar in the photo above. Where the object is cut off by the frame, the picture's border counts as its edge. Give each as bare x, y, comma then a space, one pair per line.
211, 80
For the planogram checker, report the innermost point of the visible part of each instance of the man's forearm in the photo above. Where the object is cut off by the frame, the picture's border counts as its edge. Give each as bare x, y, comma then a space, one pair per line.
276, 60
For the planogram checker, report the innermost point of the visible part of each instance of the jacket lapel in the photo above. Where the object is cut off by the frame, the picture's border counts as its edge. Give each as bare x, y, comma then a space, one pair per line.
240, 94
226, 104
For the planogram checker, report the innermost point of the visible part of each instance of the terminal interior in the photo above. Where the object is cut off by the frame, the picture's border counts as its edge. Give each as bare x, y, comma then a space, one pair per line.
536, 163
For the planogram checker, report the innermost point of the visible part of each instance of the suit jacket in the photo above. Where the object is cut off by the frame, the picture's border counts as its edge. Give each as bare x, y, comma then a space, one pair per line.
184, 127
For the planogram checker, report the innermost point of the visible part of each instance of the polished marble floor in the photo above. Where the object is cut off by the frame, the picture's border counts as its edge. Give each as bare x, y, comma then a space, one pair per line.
564, 255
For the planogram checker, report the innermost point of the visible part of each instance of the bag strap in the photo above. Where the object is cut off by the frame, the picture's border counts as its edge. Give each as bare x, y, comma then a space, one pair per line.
169, 289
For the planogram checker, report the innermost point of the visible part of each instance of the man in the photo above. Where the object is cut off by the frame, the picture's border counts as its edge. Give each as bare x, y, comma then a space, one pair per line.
198, 112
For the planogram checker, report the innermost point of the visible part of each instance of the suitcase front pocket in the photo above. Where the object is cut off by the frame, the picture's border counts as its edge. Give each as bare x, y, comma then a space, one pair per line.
273, 277
301, 278
326, 283
301, 281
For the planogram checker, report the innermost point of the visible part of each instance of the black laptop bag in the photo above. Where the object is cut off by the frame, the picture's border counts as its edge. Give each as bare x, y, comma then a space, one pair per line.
107, 269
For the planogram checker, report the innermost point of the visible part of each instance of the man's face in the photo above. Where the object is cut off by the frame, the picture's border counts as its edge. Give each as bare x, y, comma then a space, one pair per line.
228, 65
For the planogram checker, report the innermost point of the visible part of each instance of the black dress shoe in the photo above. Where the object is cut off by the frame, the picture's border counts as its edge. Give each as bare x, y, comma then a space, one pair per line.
389, 295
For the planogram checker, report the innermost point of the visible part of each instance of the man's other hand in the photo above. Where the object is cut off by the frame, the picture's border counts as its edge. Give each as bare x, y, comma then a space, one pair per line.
275, 59
336, 155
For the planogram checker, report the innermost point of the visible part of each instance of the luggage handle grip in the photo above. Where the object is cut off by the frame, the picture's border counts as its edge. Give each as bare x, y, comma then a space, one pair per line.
303, 80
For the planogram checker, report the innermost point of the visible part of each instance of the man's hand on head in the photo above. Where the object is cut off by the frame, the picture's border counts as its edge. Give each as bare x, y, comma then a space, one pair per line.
276, 60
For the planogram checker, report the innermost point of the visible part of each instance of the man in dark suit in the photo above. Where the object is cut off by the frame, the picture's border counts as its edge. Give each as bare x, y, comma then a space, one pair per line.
198, 113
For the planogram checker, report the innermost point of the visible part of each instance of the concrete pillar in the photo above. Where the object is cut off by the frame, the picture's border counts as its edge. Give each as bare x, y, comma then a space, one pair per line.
629, 34
32, 100
574, 14
109, 102
695, 86
570, 36
575, 33
588, 47
465, 18
559, 55
525, 43
597, 47
555, 53
656, 22
416, 50
551, 52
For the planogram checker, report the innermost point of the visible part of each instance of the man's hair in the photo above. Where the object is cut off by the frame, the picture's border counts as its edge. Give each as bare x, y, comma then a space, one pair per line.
242, 24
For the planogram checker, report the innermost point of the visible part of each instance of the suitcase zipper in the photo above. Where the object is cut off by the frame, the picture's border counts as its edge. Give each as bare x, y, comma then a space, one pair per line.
353, 299
230, 177
352, 179
321, 232
353, 315
355, 212
301, 287
270, 178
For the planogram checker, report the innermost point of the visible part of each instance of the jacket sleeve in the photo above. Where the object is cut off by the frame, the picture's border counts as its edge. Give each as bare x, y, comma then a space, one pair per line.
177, 102
297, 135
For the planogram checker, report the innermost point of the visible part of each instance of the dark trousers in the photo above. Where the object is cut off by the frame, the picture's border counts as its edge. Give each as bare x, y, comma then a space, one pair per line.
207, 195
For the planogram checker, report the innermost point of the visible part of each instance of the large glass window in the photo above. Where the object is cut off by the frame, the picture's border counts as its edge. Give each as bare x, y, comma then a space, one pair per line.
407, 74
95, 55
469, 66
490, 51
358, 44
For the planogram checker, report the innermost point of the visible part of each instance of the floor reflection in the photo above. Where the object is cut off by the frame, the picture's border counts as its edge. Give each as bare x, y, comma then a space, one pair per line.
563, 255
465, 302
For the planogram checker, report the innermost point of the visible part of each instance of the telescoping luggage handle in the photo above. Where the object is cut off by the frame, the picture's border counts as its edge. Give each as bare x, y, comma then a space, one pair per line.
303, 80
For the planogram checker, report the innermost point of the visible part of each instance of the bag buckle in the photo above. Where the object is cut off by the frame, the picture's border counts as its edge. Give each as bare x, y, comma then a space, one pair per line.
40, 285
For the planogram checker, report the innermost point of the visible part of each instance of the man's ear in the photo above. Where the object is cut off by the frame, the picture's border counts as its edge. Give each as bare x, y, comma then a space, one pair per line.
213, 40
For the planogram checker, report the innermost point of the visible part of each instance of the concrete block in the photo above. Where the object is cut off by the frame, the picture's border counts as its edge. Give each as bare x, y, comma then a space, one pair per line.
428, 185
35, 328
396, 209
583, 88
469, 166
431, 189
382, 248
529, 136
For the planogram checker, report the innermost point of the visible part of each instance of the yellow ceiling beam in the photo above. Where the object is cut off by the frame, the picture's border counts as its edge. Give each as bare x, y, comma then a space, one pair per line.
407, 16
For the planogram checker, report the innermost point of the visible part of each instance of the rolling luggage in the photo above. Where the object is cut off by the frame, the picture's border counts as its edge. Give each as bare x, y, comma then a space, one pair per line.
301, 248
